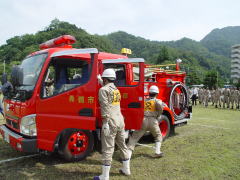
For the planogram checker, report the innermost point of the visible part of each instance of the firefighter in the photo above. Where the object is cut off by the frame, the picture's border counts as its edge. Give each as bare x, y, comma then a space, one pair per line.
238, 98
213, 94
200, 95
235, 97
113, 127
226, 94
231, 97
217, 98
152, 111
206, 96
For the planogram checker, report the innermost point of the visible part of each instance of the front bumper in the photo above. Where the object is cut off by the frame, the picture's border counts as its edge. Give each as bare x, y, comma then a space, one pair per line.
17, 141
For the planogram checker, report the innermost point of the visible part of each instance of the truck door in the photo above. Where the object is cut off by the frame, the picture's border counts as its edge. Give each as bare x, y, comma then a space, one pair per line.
67, 97
132, 90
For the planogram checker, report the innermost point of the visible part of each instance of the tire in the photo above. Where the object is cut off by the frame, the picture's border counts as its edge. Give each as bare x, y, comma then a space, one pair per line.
165, 127
77, 145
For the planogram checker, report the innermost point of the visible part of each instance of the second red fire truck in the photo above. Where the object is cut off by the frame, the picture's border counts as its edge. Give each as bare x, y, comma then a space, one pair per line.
52, 105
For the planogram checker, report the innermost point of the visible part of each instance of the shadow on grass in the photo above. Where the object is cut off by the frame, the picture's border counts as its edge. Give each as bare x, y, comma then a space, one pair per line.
49, 167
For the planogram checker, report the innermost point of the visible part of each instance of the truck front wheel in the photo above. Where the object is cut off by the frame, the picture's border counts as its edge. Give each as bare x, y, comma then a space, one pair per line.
164, 125
77, 145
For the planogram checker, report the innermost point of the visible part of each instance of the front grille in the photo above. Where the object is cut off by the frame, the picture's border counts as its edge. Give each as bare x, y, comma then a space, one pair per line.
12, 123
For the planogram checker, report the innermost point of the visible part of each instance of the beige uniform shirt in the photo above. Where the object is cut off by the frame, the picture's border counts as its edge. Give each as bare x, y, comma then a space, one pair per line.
153, 107
226, 92
109, 99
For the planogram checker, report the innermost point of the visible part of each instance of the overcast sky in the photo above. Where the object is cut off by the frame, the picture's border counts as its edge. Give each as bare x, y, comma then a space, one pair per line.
161, 20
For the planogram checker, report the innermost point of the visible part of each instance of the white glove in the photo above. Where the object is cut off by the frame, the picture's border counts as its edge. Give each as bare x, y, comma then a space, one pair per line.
106, 129
100, 81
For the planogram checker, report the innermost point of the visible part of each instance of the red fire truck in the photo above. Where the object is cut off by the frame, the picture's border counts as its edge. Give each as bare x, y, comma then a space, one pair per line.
52, 105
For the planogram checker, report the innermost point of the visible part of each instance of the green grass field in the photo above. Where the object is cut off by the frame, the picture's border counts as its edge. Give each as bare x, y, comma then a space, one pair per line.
207, 148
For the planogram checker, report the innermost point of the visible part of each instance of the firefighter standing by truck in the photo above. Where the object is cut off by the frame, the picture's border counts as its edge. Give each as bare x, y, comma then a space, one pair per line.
152, 111
113, 127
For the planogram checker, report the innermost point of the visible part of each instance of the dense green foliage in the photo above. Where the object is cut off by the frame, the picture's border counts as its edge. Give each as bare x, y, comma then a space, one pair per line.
197, 59
211, 79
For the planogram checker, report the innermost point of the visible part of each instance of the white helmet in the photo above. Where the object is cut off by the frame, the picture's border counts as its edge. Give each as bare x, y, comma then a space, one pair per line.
154, 89
109, 73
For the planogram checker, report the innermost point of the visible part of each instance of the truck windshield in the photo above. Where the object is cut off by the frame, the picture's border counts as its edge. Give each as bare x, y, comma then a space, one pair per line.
31, 69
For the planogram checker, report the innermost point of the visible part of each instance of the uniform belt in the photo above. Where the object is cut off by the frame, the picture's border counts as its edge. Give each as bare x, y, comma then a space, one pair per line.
150, 116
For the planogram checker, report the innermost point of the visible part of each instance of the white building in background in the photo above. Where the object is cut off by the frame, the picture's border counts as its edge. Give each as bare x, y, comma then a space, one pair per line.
235, 63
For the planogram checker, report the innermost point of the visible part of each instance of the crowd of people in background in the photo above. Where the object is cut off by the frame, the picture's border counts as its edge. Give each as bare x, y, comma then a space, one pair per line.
218, 97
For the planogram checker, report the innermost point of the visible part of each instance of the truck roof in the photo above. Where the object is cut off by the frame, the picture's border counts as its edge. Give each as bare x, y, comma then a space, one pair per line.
101, 55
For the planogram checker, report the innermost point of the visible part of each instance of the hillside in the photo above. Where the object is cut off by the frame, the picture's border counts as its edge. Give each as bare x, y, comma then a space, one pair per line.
196, 58
194, 55
220, 41
206, 58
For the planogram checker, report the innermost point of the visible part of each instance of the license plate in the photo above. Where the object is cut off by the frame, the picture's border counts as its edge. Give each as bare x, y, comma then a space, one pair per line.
6, 137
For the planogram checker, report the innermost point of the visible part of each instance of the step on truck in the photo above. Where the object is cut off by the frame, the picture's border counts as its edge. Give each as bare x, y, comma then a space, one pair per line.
51, 102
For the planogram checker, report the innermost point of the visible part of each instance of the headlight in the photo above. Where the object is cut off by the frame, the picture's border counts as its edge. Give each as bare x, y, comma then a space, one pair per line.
28, 125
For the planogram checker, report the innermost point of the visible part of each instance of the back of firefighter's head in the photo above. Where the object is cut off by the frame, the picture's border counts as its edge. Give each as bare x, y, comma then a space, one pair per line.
153, 91
108, 75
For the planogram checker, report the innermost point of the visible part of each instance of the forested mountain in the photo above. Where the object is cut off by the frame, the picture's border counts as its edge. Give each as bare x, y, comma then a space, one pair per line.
198, 57
221, 40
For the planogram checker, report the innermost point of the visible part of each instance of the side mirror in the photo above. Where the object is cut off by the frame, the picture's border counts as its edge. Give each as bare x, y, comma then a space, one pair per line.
17, 76
4, 78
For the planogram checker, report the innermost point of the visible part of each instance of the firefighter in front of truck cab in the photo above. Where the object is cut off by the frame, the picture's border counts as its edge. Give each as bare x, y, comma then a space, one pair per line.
113, 127
153, 108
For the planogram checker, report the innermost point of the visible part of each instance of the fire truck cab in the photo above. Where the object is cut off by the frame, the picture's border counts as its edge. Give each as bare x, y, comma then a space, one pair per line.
53, 102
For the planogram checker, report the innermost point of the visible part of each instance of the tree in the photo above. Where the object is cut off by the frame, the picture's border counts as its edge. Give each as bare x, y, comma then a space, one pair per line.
211, 79
193, 78
163, 55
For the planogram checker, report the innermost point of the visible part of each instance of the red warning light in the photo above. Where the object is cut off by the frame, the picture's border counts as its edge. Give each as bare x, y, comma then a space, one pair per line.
61, 41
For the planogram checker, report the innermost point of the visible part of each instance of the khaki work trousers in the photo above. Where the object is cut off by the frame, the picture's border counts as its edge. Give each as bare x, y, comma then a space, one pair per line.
217, 100
206, 101
232, 101
149, 124
225, 101
238, 102
117, 135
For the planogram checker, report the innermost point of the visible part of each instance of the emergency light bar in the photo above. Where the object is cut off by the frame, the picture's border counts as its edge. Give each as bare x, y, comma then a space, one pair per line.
61, 41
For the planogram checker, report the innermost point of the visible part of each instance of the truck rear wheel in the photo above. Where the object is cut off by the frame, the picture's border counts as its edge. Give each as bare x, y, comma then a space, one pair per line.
77, 145
164, 125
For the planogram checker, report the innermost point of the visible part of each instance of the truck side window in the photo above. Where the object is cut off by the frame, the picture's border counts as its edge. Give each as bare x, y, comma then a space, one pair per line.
63, 75
120, 73
122, 79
